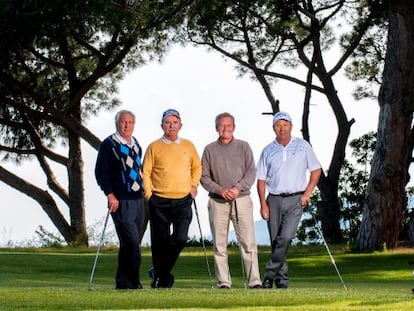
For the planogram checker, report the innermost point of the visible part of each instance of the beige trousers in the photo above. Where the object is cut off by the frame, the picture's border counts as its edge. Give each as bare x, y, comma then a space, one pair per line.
221, 212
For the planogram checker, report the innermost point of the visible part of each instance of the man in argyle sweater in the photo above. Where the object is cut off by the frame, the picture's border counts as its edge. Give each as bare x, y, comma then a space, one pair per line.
118, 173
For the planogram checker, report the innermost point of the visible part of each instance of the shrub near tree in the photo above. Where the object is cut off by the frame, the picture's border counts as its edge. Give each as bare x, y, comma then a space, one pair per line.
353, 184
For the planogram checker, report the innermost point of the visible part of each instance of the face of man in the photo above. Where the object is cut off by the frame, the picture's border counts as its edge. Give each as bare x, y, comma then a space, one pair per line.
171, 125
225, 129
283, 130
126, 126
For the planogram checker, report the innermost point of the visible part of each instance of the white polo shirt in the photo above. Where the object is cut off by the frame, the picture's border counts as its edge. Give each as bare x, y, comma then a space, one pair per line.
284, 168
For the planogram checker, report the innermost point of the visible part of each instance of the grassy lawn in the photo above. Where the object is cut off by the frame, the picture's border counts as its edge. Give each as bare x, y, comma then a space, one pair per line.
57, 279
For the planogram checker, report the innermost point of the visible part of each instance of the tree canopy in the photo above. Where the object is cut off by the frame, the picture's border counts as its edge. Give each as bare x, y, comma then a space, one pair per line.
272, 40
60, 62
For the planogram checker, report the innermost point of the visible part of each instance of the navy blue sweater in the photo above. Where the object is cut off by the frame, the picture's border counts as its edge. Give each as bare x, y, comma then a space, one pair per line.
118, 169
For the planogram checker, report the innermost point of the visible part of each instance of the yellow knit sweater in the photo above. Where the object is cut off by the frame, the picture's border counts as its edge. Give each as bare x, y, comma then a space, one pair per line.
170, 169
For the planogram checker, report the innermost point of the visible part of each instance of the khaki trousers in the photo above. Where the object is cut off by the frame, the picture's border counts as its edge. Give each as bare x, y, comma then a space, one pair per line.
221, 212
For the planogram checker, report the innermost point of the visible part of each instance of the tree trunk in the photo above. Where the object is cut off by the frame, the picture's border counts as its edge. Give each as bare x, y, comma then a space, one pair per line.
329, 210
329, 207
76, 191
45, 200
386, 200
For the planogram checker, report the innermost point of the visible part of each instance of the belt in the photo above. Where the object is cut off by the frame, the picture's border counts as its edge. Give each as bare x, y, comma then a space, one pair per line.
284, 195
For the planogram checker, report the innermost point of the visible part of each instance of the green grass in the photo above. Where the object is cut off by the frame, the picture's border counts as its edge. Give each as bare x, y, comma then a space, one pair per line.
57, 279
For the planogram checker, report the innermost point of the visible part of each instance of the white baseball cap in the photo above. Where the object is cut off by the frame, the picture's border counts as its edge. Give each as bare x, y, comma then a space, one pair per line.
281, 116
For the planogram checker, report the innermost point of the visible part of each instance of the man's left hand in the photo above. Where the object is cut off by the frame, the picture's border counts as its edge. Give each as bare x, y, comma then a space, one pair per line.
193, 192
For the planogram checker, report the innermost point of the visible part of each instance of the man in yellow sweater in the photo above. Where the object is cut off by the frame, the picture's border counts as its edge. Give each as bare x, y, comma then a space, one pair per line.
171, 174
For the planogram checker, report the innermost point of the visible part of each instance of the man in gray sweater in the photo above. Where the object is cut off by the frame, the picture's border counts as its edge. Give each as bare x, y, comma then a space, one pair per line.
228, 174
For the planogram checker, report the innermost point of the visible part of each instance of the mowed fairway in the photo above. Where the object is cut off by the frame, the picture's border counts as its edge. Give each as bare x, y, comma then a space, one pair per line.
57, 279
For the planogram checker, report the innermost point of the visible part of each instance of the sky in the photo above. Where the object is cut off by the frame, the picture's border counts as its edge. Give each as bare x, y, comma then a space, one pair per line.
200, 85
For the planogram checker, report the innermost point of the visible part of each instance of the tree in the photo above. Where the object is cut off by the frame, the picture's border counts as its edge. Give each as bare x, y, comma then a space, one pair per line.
386, 196
264, 36
59, 64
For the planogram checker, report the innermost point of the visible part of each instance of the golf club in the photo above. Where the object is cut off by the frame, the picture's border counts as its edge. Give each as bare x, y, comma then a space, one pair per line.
202, 242
97, 251
236, 230
329, 252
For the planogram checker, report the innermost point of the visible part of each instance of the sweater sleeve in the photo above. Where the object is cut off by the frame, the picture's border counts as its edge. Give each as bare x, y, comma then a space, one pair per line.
246, 182
207, 180
147, 166
195, 168
102, 169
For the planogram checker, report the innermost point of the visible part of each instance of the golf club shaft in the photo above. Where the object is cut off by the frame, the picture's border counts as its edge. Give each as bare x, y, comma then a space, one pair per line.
202, 243
97, 251
329, 252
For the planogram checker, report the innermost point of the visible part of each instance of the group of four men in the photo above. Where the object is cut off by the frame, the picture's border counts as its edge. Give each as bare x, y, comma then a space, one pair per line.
167, 179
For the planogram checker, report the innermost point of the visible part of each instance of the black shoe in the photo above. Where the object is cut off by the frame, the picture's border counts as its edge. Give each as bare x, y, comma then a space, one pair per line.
267, 283
153, 275
281, 285
139, 286
159, 282
167, 282
258, 286
224, 287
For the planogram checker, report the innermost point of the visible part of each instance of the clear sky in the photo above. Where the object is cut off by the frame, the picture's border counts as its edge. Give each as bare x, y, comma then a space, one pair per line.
200, 85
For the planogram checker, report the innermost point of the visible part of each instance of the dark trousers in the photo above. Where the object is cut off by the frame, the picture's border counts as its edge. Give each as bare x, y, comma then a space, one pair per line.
129, 222
167, 244
285, 214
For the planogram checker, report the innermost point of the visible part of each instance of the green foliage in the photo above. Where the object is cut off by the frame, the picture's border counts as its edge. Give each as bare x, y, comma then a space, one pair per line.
49, 239
66, 58
59, 53
247, 31
352, 191
353, 184
95, 233
407, 232
261, 34
197, 242
367, 64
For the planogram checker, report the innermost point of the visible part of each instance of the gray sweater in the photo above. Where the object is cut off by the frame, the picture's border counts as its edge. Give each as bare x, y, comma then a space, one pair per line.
228, 165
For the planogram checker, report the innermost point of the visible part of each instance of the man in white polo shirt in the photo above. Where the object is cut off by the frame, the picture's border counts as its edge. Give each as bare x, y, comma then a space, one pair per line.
282, 171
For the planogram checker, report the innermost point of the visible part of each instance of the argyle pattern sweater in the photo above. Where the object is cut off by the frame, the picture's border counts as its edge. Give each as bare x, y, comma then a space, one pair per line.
118, 168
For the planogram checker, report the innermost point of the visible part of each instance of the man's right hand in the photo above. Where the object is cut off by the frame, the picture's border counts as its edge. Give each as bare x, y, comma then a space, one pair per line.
113, 203
264, 211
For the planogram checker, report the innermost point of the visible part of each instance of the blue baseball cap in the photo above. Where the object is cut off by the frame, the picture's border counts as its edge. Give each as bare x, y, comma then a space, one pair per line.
170, 112
281, 116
